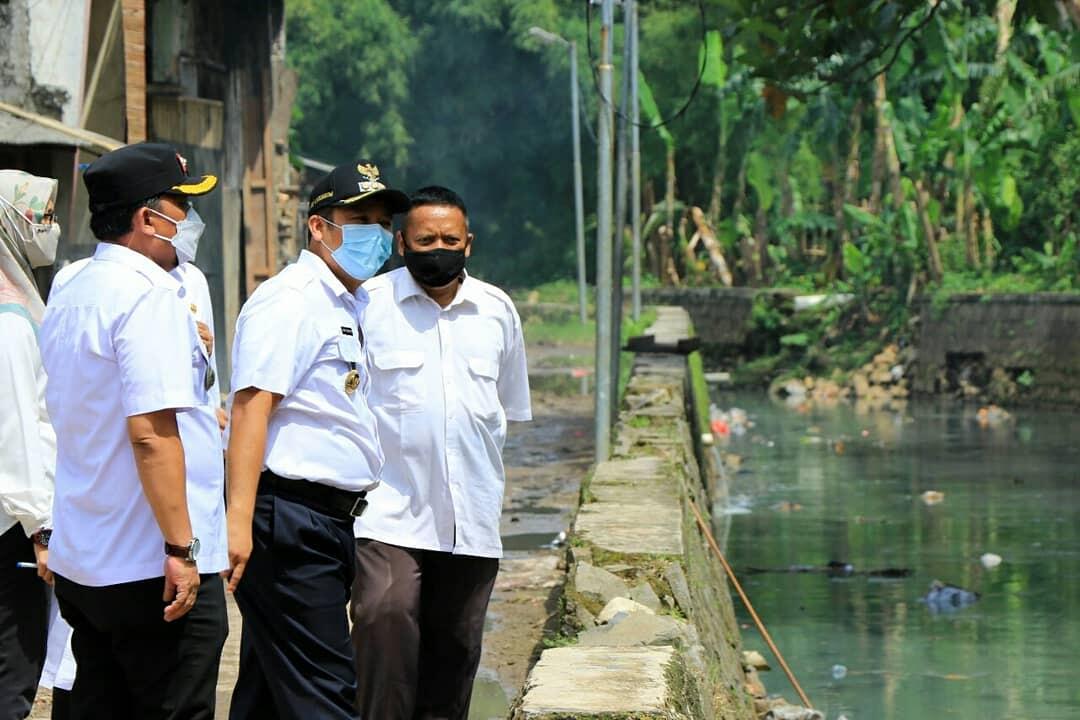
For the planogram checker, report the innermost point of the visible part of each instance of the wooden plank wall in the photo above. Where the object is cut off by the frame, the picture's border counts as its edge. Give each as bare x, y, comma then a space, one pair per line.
134, 24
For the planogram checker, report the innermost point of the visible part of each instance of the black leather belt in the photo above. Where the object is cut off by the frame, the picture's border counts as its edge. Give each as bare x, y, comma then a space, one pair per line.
320, 498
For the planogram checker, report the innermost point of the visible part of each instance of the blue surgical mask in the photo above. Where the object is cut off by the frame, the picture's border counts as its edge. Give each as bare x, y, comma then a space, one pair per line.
364, 249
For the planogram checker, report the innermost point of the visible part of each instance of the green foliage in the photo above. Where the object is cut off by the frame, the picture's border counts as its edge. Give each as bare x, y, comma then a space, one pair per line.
652, 110
459, 93
351, 59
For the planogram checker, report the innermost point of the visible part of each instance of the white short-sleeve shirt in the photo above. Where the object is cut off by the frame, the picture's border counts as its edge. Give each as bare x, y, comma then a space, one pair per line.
117, 341
444, 383
199, 429
299, 336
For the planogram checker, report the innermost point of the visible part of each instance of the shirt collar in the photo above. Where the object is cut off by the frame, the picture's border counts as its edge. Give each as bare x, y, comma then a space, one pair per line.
405, 287
321, 270
111, 252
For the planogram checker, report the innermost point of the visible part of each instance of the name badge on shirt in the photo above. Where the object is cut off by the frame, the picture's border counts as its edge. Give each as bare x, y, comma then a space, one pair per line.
349, 351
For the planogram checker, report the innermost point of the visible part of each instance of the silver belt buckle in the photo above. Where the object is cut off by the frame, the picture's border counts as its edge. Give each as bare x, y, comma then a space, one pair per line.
358, 507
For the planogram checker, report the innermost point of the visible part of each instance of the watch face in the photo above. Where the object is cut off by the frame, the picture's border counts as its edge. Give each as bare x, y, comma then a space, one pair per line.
194, 548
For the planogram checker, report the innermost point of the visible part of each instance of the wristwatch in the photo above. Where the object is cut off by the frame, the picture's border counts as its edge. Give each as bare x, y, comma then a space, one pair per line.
188, 553
42, 537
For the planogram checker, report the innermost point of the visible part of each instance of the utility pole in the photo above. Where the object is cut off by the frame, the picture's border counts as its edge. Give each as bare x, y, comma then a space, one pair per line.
549, 38
603, 240
579, 202
635, 164
621, 182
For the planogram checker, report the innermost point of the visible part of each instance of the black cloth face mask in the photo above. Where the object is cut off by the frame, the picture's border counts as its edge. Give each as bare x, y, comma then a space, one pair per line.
435, 268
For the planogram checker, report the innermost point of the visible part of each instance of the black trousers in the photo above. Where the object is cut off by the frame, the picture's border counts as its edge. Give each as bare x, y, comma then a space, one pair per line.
24, 625
418, 626
133, 664
296, 661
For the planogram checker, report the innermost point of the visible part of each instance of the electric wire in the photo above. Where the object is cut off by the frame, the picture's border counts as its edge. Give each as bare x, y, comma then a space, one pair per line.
689, 98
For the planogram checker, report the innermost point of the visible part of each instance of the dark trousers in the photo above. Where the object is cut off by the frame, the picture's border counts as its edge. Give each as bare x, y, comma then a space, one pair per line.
61, 704
24, 625
133, 664
296, 660
418, 623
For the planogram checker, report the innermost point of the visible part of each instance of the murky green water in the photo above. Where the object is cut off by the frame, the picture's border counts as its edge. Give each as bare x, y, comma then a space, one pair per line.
1013, 490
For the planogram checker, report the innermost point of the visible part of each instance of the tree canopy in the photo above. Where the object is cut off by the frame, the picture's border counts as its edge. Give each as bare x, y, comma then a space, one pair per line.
878, 143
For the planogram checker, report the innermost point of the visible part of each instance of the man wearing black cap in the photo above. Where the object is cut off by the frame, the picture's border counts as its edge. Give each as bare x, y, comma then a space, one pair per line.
133, 506
303, 452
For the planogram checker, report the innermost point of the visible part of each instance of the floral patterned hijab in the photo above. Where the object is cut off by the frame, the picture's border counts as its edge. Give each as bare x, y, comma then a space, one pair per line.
24, 199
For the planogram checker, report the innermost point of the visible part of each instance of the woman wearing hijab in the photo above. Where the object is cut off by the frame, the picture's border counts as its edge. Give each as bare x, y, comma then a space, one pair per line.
28, 239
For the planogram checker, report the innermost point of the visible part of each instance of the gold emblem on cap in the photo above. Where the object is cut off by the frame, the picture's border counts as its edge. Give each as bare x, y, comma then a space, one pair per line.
352, 381
370, 175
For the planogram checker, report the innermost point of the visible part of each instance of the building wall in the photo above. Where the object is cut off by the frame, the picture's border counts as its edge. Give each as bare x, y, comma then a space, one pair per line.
58, 54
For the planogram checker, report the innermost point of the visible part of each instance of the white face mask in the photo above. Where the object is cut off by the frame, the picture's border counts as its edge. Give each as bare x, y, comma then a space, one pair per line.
188, 232
39, 241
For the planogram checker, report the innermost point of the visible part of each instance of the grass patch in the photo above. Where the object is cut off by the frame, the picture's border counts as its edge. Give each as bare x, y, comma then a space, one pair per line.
700, 390
556, 291
539, 331
626, 359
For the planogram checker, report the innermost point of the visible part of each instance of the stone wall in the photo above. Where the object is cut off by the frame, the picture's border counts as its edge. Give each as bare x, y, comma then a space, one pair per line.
721, 316
1018, 347
648, 629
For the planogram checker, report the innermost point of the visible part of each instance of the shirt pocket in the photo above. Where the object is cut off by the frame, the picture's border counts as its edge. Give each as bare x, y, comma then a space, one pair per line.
397, 380
484, 376
351, 355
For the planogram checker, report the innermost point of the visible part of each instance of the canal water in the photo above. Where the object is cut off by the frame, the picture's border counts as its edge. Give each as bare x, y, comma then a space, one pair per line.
821, 485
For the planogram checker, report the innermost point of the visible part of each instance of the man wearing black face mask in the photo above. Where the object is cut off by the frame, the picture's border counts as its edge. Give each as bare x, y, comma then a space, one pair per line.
448, 371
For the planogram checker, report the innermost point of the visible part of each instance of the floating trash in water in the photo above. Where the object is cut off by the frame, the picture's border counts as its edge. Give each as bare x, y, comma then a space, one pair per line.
932, 497
948, 598
738, 505
558, 541
990, 560
783, 711
992, 416
786, 506
839, 672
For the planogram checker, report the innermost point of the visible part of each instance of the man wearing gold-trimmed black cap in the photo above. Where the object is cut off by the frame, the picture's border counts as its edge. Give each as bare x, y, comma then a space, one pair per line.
139, 533
303, 453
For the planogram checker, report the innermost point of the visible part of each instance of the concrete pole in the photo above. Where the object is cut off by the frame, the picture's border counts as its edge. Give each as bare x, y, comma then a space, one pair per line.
635, 165
579, 201
603, 240
621, 183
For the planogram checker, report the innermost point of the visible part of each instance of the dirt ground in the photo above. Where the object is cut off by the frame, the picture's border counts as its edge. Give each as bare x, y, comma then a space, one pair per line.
545, 461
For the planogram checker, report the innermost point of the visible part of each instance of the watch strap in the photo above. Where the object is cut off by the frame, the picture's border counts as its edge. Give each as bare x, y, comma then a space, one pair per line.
184, 552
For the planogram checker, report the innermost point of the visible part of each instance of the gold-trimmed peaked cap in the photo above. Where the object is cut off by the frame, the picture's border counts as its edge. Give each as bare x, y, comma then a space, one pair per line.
351, 183
138, 172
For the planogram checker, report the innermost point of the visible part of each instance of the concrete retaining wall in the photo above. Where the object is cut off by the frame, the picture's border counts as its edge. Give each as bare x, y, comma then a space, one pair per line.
1012, 334
648, 627
721, 316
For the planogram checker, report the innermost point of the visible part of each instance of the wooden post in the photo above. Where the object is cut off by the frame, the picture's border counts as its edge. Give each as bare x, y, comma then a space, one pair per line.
134, 24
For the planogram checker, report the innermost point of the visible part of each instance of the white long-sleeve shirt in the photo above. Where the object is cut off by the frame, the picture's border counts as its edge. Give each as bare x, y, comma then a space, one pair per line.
27, 441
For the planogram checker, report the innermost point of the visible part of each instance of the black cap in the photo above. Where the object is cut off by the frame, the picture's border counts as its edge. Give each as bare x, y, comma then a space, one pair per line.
351, 183
138, 172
